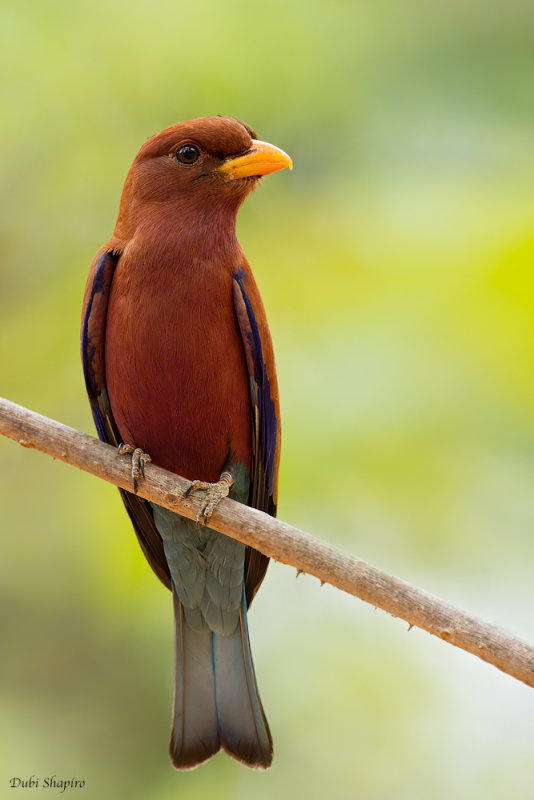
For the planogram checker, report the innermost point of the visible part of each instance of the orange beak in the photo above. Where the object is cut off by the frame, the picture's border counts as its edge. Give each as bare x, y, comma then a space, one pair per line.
261, 159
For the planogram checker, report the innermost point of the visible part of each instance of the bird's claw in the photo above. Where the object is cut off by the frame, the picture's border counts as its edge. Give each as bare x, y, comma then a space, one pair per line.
139, 459
215, 492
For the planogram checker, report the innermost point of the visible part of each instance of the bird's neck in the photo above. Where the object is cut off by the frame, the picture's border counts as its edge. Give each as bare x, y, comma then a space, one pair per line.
202, 228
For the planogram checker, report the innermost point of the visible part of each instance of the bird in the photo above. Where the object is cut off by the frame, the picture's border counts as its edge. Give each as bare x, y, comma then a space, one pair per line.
179, 369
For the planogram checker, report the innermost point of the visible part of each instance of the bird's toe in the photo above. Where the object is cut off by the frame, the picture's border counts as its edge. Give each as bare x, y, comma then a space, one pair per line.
139, 459
215, 492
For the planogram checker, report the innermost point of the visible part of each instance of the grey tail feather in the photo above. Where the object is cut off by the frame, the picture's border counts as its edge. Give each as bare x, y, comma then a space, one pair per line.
242, 725
216, 700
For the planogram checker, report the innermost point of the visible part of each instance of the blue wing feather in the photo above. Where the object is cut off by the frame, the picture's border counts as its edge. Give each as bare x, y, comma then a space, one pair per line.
265, 428
93, 339
93, 357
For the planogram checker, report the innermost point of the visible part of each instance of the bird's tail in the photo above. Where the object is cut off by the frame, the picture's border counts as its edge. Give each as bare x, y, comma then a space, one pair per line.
216, 700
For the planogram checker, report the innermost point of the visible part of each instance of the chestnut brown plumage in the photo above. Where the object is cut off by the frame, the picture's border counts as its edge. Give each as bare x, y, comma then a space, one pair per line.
179, 363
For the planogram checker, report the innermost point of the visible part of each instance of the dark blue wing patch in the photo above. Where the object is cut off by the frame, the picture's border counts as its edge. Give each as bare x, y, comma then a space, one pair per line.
93, 341
94, 368
265, 424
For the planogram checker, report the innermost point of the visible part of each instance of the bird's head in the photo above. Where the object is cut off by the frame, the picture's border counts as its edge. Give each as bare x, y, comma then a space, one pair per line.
210, 160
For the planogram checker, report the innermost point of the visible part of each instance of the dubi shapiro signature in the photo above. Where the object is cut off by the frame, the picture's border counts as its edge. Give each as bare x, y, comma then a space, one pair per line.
48, 782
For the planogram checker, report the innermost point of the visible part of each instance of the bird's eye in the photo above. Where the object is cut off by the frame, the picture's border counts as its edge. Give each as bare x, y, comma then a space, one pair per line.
187, 154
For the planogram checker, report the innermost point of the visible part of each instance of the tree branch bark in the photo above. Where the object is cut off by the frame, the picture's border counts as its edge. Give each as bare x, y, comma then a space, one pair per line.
279, 540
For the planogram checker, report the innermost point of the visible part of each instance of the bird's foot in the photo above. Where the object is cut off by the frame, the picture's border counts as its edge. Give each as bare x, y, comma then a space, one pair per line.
214, 494
139, 459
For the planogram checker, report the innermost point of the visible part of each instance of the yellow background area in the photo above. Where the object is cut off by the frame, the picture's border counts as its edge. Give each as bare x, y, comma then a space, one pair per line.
396, 266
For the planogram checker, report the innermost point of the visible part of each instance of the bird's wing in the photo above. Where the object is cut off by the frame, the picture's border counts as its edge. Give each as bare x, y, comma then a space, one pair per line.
265, 413
93, 356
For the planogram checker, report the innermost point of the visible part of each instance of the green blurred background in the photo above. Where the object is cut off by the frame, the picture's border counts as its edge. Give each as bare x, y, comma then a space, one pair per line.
396, 265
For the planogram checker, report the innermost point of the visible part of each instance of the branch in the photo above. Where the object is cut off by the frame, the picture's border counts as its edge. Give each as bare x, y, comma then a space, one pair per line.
280, 541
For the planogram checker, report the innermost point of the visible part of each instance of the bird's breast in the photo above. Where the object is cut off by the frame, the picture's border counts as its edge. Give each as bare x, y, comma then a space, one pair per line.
175, 366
